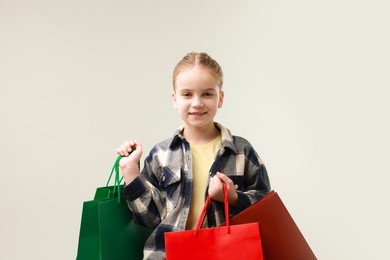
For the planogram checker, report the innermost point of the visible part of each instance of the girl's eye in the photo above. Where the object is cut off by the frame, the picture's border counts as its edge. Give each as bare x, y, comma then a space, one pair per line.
208, 94
186, 94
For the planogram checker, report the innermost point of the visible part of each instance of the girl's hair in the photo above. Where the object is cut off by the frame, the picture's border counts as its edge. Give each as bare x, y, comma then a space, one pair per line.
203, 60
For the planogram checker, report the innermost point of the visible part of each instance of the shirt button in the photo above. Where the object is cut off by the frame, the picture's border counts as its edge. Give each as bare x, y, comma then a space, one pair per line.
236, 186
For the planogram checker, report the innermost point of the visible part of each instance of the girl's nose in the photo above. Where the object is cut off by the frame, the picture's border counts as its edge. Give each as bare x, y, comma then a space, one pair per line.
197, 102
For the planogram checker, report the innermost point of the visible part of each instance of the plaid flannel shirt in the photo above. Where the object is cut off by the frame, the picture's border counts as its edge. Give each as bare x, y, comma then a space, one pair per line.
160, 197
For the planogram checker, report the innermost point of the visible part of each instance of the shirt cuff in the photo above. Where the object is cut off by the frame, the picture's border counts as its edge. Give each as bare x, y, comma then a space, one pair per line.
134, 190
242, 203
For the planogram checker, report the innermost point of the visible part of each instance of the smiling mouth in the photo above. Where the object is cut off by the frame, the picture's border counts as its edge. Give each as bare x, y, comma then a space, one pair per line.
198, 113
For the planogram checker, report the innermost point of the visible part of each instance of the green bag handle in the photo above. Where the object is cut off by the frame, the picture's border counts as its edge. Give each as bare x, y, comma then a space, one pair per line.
118, 179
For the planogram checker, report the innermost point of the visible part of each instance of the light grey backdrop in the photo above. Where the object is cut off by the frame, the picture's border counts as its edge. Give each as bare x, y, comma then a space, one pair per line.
307, 83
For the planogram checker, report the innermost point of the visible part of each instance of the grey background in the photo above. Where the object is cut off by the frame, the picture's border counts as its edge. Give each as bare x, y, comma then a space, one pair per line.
307, 83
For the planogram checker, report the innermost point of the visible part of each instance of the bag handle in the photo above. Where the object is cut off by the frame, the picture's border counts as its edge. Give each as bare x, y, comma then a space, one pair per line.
206, 206
117, 180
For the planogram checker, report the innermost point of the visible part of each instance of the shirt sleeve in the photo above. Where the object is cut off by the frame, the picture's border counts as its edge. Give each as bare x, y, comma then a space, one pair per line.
256, 182
144, 196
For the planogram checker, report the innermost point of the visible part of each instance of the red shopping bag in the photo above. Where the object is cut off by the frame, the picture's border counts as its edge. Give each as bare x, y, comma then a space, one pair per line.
228, 242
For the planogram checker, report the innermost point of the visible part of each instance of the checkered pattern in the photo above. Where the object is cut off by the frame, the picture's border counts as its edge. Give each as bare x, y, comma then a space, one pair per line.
160, 197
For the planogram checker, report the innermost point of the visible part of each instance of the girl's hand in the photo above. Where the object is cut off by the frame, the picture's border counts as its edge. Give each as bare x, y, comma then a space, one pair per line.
131, 152
216, 189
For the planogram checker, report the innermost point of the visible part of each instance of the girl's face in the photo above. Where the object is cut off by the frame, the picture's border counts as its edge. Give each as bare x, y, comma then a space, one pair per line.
197, 97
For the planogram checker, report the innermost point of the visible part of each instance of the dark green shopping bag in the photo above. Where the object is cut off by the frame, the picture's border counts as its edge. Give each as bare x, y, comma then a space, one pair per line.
107, 230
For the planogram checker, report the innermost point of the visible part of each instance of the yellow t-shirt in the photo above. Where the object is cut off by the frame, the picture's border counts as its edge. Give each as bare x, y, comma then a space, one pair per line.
202, 158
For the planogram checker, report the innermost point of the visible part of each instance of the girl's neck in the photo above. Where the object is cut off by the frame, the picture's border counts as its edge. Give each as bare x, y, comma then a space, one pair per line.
200, 135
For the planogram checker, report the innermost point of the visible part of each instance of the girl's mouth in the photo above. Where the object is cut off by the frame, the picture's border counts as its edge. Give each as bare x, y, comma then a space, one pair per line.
197, 113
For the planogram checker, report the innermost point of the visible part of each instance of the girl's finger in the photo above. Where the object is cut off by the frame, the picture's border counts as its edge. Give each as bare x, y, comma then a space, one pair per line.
124, 149
223, 178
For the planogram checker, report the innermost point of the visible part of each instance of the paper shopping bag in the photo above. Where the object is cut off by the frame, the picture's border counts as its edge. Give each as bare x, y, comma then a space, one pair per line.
107, 230
280, 236
227, 243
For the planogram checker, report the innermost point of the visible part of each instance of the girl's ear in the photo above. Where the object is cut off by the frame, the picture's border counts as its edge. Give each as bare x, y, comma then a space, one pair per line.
173, 95
221, 97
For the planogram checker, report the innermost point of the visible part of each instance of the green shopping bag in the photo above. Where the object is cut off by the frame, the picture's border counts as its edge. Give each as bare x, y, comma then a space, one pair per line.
107, 230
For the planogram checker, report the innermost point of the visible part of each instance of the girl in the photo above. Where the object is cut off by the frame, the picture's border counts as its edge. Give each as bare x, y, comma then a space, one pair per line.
181, 171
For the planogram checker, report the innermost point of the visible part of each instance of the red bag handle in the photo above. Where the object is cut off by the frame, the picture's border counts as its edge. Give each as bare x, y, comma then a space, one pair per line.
206, 206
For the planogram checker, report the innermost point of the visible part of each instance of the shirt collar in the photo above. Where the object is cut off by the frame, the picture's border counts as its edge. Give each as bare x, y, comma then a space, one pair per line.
226, 138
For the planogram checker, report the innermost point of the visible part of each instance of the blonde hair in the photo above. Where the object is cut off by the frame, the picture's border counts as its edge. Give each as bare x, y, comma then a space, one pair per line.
203, 60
